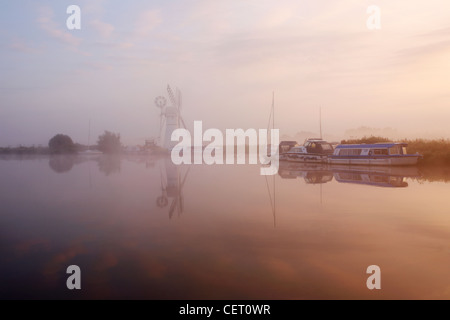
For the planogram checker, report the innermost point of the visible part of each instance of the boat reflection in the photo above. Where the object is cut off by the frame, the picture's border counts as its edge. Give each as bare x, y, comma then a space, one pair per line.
371, 179
388, 177
312, 173
391, 177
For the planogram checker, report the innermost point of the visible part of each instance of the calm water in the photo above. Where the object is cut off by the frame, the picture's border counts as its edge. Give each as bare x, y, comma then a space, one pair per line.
139, 227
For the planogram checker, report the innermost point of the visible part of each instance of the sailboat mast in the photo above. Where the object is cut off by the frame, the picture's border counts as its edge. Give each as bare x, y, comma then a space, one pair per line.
89, 135
273, 110
320, 121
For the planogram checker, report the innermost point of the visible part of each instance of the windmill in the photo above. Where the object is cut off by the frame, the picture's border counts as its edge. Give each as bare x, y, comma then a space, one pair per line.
170, 117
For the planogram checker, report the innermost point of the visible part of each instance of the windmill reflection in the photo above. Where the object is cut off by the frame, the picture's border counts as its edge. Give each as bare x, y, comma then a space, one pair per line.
172, 182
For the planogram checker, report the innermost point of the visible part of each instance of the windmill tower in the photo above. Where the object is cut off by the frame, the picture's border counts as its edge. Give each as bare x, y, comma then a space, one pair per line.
170, 117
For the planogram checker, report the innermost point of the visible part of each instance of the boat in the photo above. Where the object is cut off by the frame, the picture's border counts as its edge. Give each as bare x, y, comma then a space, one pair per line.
313, 150
285, 146
388, 154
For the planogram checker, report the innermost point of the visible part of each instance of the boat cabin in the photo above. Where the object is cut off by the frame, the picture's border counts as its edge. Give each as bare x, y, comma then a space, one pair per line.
377, 149
318, 146
373, 154
285, 146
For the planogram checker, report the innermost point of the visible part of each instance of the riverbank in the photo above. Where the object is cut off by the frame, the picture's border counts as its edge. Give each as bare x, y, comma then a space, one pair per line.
25, 150
435, 152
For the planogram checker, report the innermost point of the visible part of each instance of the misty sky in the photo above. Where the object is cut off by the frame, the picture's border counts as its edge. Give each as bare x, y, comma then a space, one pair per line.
226, 57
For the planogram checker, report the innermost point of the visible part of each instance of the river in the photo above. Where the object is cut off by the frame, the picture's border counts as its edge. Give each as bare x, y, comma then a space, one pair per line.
140, 227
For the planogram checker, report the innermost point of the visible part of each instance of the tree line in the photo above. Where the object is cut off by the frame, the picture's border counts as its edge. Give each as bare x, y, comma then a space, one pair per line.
108, 142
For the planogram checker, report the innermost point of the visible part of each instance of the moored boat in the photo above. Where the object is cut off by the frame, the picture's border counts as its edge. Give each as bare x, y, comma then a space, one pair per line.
388, 154
313, 150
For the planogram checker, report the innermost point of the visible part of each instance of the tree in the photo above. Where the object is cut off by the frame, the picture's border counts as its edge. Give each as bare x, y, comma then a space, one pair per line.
61, 143
109, 142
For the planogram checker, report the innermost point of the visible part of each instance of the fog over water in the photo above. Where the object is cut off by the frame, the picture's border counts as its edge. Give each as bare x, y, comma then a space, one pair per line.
140, 227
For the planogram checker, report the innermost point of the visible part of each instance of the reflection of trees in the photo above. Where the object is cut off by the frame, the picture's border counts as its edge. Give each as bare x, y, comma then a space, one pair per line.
434, 174
61, 163
109, 164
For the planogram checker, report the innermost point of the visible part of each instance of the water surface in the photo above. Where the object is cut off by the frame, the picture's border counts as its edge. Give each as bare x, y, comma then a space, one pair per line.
140, 227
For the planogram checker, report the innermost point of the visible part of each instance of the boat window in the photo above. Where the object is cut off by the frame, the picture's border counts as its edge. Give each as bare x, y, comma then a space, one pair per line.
394, 150
350, 152
404, 150
380, 151
327, 146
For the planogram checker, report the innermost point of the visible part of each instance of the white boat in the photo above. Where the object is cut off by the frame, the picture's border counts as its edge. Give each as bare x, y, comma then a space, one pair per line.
313, 150
384, 154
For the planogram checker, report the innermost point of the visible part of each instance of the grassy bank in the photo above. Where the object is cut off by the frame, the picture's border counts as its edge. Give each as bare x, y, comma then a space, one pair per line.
33, 150
435, 152
24, 150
